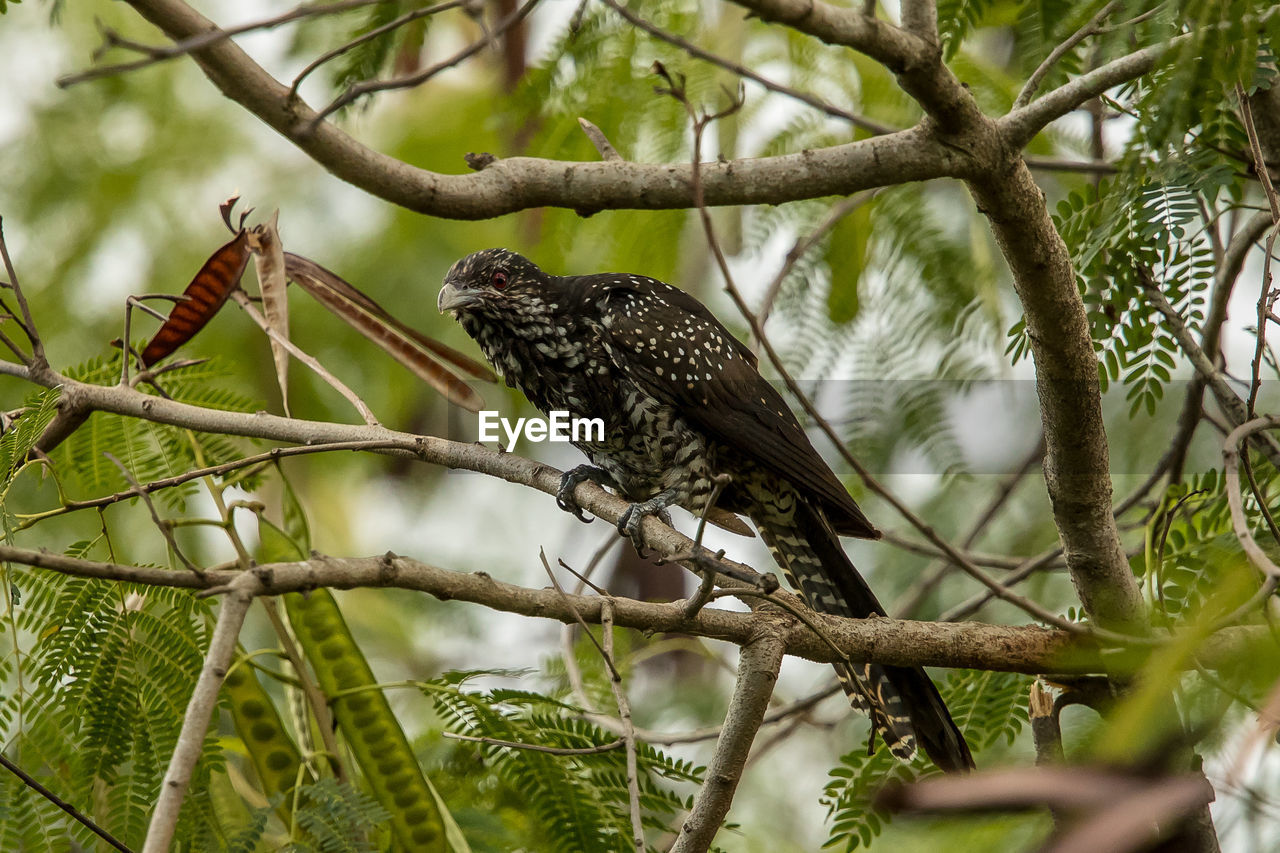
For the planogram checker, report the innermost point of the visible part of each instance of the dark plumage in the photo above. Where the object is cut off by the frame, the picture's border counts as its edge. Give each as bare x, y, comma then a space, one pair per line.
682, 402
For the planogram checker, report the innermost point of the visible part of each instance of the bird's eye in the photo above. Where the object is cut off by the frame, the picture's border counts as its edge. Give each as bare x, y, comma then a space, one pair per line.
500, 280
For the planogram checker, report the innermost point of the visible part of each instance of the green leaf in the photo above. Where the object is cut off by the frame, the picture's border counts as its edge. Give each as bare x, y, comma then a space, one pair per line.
846, 256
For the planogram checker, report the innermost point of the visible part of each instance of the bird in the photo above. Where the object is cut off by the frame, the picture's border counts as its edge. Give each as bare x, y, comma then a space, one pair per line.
686, 413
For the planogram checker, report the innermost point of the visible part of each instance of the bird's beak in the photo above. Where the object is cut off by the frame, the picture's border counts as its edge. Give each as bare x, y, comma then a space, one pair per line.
453, 298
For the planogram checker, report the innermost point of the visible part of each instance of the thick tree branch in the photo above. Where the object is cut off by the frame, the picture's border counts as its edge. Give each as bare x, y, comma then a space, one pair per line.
504, 186
896, 642
758, 667
915, 60
1077, 463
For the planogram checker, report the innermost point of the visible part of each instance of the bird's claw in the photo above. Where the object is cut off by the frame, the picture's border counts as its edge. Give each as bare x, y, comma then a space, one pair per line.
569, 481
570, 506
631, 521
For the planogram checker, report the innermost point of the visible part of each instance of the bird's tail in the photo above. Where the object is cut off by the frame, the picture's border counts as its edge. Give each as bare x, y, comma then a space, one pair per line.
903, 703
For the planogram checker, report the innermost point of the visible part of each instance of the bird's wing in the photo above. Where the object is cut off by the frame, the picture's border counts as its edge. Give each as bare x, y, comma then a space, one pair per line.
677, 350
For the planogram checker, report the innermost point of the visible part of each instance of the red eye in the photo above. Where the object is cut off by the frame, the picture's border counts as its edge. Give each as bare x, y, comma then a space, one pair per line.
500, 280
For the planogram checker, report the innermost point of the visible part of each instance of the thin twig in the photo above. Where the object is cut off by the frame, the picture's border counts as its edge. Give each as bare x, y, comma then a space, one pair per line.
933, 575
153, 54
537, 747
78, 815
209, 471
1235, 498
365, 87
1037, 76
693, 50
406, 18
1232, 406
24, 322
311, 691
242, 299
1264, 297
165, 527
195, 721
800, 706
608, 659
803, 244
628, 727
601, 142
699, 599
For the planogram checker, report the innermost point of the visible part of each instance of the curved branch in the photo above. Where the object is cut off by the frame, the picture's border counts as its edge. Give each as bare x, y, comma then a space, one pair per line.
504, 186
1021, 125
915, 61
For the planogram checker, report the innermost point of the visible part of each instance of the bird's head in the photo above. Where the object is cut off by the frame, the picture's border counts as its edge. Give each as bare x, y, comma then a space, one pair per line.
489, 283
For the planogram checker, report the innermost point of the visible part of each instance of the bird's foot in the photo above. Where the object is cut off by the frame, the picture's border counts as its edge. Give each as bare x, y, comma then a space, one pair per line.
570, 480
631, 520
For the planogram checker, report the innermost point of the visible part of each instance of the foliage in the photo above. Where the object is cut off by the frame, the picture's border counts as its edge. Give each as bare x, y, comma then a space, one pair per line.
889, 320
990, 709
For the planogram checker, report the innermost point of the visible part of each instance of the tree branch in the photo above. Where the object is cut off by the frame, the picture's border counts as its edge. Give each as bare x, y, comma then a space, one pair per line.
195, 722
916, 60
517, 183
1077, 459
153, 54
1033, 82
758, 667
742, 71
894, 642
1021, 125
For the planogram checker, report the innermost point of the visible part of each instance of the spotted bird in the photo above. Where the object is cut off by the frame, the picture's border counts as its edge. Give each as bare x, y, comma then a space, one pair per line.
682, 403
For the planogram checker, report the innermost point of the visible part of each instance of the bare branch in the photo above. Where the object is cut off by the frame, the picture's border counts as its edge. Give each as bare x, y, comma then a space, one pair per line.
25, 322
1232, 406
1090, 28
803, 244
366, 87
1235, 500
891, 641
1021, 125
79, 816
537, 747
197, 473
628, 727
758, 668
916, 60
522, 182
399, 22
195, 722
894, 642
165, 528
746, 73
599, 140
159, 53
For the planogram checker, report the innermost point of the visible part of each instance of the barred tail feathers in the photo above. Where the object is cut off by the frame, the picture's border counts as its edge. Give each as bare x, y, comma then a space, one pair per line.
903, 703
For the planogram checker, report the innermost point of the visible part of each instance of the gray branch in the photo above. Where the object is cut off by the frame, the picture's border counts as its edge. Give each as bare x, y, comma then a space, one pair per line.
758, 666
517, 183
195, 722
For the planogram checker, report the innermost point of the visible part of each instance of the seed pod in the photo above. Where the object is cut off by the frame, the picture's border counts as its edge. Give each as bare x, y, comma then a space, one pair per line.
365, 720
273, 753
